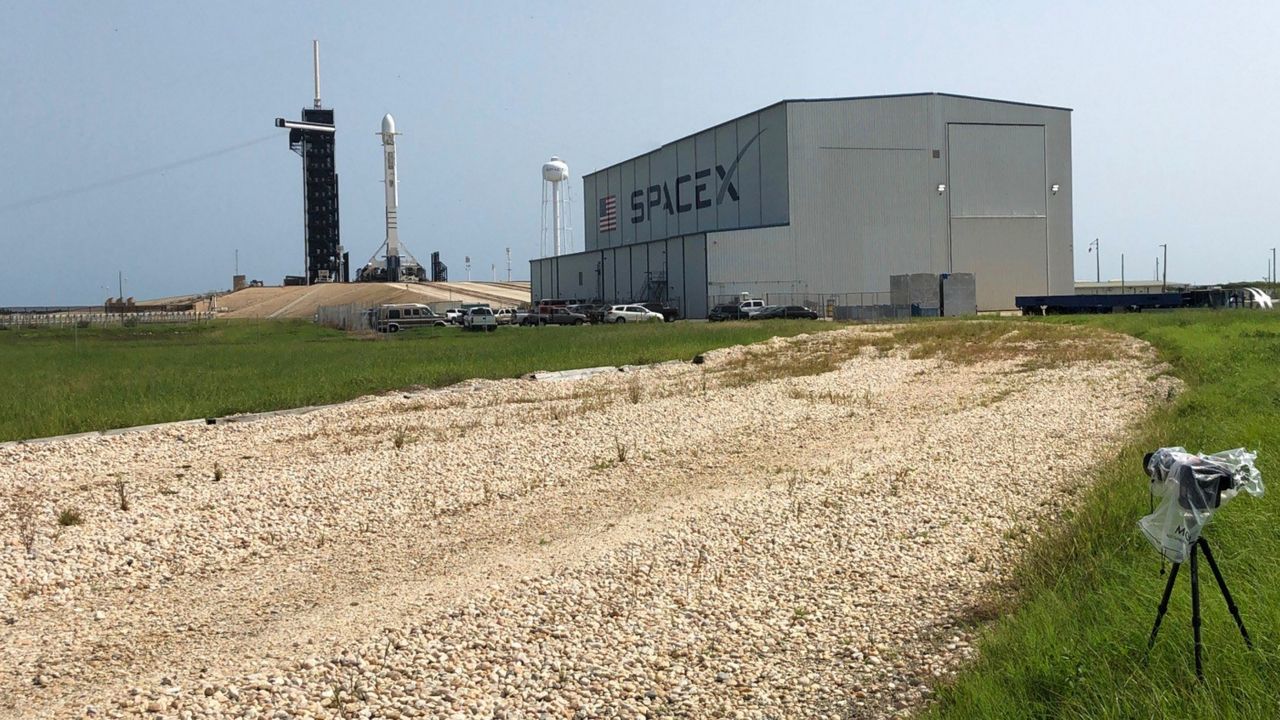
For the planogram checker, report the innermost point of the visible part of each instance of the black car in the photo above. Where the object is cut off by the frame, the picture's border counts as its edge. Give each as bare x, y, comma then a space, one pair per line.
726, 312
593, 312
668, 313
788, 312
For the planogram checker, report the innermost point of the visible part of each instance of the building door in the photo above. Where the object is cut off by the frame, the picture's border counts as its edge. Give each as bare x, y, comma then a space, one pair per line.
999, 227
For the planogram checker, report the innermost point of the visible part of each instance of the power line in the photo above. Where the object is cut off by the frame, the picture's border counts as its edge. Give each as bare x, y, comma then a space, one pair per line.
119, 179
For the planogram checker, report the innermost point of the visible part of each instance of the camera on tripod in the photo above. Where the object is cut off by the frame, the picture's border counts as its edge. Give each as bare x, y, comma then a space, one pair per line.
1201, 481
1192, 488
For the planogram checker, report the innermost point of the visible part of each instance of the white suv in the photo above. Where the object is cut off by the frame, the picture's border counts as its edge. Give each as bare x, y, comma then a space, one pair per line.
751, 307
631, 313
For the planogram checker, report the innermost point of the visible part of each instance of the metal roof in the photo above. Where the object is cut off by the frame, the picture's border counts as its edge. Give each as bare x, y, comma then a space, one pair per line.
829, 99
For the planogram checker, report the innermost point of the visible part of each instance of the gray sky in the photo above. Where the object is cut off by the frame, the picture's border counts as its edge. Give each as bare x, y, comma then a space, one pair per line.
1173, 104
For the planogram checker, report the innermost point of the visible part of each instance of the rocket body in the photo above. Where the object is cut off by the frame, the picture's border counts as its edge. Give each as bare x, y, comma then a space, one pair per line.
393, 196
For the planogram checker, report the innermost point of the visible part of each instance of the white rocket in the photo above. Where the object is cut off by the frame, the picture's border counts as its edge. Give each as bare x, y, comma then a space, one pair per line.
393, 196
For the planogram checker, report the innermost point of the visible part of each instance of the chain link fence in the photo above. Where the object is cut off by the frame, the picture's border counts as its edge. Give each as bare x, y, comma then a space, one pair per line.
873, 305
344, 317
100, 319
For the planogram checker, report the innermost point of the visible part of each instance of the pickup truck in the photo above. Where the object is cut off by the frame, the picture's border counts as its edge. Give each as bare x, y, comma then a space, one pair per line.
479, 318
554, 316
668, 313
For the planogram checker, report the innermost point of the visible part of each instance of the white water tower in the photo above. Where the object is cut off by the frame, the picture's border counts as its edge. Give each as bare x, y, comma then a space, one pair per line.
555, 172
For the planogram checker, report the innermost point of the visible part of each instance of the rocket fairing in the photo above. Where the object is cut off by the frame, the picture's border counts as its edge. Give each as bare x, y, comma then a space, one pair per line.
393, 196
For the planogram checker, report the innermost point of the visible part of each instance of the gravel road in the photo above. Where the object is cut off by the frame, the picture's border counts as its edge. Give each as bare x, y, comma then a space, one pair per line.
729, 539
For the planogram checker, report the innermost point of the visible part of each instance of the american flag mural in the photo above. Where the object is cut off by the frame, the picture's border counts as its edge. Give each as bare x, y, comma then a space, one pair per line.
608, 213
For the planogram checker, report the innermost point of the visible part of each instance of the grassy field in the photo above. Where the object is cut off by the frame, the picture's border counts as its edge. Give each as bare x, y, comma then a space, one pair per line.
1070, 641
60, 381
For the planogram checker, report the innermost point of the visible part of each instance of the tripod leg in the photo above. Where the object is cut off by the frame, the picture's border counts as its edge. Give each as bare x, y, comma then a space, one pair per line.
1164, 604
1195, 610
1222, 585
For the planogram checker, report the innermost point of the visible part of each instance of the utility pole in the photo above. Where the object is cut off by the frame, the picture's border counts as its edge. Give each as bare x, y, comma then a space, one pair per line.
1121, 273
467, 262
1164, 279
1157, 277
121, 286
508, 264
493, 268
1096, 248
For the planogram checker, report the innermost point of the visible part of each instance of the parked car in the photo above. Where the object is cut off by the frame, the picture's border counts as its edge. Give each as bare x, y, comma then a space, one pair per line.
726, 312
505, 316
453, 315
478, 319
402, 316
668, 313
788, 312
751, 307
631, 313
594, 313
555, 316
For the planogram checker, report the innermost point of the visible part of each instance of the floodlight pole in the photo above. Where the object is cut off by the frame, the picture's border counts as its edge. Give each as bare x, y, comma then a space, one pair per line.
1164, 279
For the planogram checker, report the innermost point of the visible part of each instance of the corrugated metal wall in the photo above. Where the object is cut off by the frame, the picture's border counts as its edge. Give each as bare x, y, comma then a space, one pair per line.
865, 198
620, 274
731, 176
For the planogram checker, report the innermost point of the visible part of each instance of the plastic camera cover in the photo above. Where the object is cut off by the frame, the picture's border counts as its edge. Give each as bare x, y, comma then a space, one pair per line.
1191, 488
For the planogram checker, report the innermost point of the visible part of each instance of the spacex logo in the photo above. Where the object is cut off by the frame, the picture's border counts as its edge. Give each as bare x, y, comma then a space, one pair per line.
682, 198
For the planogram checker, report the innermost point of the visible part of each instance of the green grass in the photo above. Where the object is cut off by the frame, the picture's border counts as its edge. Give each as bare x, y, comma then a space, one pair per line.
1070, 641
60, 381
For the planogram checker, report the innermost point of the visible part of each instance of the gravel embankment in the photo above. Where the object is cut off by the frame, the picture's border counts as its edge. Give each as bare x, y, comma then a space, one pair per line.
659, 542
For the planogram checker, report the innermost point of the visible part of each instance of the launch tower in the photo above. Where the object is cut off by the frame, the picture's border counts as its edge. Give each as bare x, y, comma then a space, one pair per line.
313, 139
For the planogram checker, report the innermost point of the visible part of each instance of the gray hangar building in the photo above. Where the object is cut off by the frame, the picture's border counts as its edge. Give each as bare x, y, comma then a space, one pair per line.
819, 202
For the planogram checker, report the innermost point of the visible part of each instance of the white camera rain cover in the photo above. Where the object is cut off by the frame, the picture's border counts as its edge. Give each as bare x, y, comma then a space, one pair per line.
1191, 488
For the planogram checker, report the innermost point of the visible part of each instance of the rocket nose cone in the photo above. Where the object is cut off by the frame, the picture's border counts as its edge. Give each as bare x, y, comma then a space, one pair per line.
388, 124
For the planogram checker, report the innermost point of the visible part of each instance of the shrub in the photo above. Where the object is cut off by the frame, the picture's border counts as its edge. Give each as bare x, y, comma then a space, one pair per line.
120, 495
69, 517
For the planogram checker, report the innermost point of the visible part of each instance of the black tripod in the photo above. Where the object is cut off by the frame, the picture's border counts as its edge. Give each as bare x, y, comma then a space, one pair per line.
1200, 544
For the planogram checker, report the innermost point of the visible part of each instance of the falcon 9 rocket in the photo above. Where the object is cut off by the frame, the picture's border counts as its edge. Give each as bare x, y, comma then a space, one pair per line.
393, 196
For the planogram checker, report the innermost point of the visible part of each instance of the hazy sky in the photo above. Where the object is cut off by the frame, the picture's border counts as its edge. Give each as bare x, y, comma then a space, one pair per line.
1173, 104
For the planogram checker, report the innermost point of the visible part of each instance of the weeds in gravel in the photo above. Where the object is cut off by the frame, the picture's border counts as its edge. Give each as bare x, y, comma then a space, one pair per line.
70, 517
402, 438
621, 451
793, 492
25, 506
898, 480
634, 392
217, 472
122, 500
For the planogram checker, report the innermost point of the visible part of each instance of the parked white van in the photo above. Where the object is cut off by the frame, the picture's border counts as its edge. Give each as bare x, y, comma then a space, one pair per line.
400, 316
